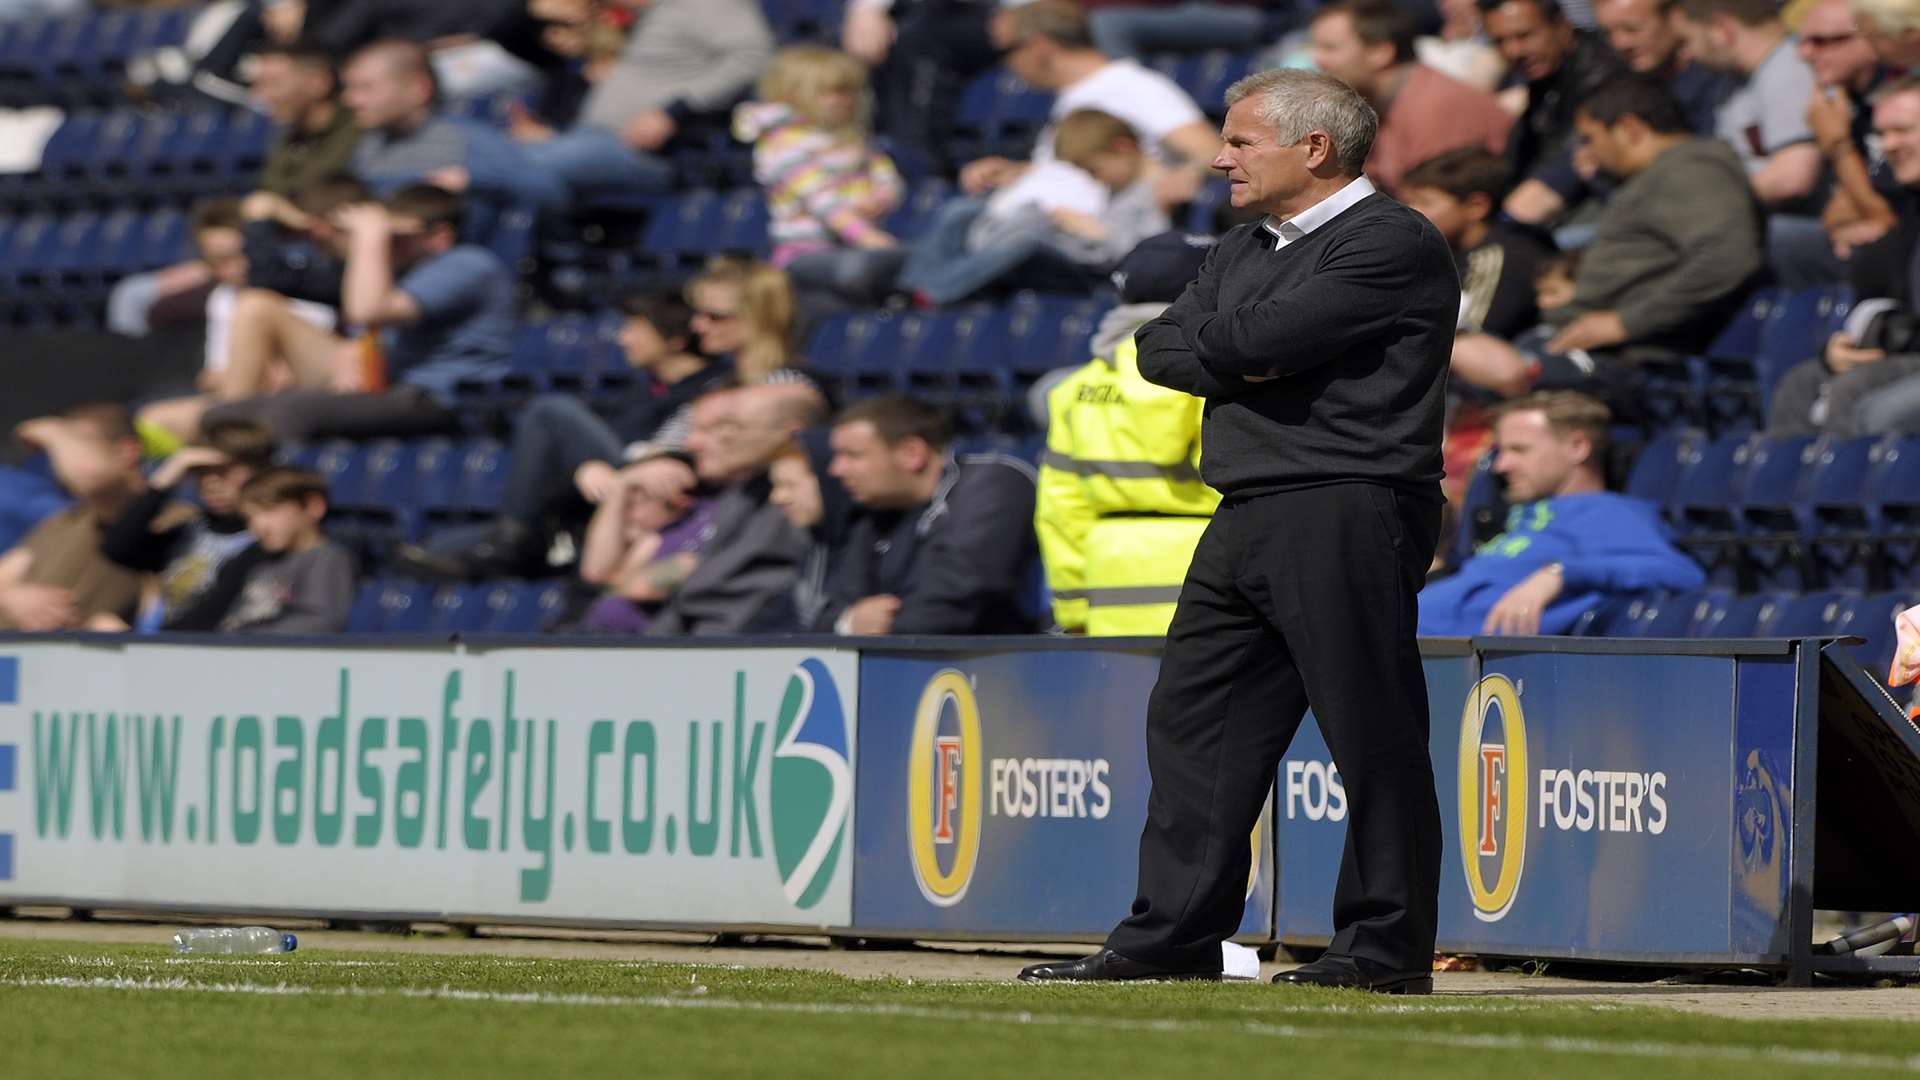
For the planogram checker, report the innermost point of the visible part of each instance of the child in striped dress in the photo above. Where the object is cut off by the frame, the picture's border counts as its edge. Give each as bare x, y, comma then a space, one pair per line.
827, 187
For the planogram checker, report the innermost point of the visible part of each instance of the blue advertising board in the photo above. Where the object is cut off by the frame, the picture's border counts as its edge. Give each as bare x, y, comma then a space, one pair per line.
1002, 795
1592, 805
1311, 807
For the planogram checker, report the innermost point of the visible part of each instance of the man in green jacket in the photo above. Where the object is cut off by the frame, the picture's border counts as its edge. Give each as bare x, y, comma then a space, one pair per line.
1671, 257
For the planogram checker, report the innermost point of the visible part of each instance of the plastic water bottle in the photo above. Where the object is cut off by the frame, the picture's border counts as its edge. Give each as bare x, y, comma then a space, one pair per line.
234, 941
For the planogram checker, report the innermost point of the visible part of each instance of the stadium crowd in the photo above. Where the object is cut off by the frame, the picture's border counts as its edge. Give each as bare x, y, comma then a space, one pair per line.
809, 411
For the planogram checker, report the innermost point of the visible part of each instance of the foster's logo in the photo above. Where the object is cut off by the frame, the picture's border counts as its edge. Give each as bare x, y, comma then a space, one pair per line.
1493, 796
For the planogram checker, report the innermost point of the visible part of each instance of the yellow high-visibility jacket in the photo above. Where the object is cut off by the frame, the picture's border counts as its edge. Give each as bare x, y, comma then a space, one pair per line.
1121, 505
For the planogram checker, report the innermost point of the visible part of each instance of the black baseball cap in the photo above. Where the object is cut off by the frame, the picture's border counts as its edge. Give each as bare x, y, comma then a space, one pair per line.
1160, 269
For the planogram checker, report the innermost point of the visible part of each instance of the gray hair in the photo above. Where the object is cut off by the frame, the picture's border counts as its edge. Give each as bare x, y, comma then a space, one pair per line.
1296, 103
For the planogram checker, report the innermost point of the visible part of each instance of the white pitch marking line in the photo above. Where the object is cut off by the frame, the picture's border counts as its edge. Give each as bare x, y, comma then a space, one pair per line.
1554, 1044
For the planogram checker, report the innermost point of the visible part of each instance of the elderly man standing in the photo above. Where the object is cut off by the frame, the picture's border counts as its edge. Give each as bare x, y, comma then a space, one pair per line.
1320, 338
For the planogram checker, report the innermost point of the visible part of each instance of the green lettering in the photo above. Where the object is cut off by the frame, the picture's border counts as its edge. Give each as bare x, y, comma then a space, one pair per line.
246, 737
216, 739
159, 764
289, 779
449, 742
637, 833
410, 790
106, 790
479, 769
509, 737
744, 805
703, 835
53, 761
599, 745
331, 740
366, 827
537, 829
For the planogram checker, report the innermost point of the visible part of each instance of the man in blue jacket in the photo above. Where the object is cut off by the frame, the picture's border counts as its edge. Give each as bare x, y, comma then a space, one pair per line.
1569, 544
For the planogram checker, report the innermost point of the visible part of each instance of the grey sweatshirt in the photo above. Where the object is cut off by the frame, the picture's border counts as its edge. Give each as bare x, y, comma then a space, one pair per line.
307, 593
685, 56
1673, 250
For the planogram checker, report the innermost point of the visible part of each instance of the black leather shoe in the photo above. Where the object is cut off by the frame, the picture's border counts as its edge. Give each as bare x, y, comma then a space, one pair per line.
1357, 973
1106, 966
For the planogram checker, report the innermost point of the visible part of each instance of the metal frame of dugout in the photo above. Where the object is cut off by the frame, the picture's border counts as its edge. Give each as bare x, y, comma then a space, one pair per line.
1672, 803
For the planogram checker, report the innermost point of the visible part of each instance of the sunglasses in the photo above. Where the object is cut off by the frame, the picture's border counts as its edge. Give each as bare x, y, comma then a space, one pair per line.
1826, 41
716, 316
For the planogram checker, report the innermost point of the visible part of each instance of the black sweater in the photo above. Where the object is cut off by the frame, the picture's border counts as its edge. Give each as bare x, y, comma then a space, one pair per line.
957, 563
1356, 319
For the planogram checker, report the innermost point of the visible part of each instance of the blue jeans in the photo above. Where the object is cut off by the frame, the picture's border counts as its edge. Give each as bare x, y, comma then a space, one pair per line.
554, 436
942, 268
595, 162
1801, 253
1137, 32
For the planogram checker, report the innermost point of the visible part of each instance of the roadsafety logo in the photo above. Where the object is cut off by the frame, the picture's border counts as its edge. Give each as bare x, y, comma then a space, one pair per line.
812, 783
1493, 796
944, 797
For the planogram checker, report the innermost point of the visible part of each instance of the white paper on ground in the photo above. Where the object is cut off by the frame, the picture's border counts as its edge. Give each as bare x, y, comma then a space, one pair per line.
1238, 961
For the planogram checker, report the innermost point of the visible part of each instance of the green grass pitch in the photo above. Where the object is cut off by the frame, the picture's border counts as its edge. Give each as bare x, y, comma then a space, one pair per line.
71, 1010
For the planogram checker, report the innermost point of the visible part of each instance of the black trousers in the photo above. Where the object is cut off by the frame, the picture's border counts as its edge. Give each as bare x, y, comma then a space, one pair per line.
301, 415
1296, 599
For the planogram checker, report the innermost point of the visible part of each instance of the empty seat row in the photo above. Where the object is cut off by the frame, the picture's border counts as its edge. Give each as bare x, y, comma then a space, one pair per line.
1729, 388
1790, 513
400, 606
131, 155
425, 480
79, 59
1719, 613
47, 251
974, 353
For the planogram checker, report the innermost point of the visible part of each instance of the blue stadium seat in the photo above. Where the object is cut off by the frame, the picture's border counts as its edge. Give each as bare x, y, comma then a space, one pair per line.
537, 605
1871, 617
406, 607
679, 229
915, 214
1840, 517
249, 137
483, 476
338, 463
871, 363
492, 607
741, 228
437, 475
1206, 76
387, 479
1662, 464
928, 345
1614, 617
364, 617
1741, 616
1707, 499
1811, 614
1706, 507
999, 114
1730, 386
1896, 491
1673, 616
456, 608
1770, 524
827, 347
168, 240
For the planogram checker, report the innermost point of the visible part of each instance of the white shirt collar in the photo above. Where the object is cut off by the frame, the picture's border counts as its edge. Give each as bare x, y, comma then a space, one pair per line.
1319, 213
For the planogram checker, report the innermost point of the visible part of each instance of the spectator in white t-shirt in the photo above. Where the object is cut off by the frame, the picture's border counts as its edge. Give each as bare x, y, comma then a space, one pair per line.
1764, 120
1050, 46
